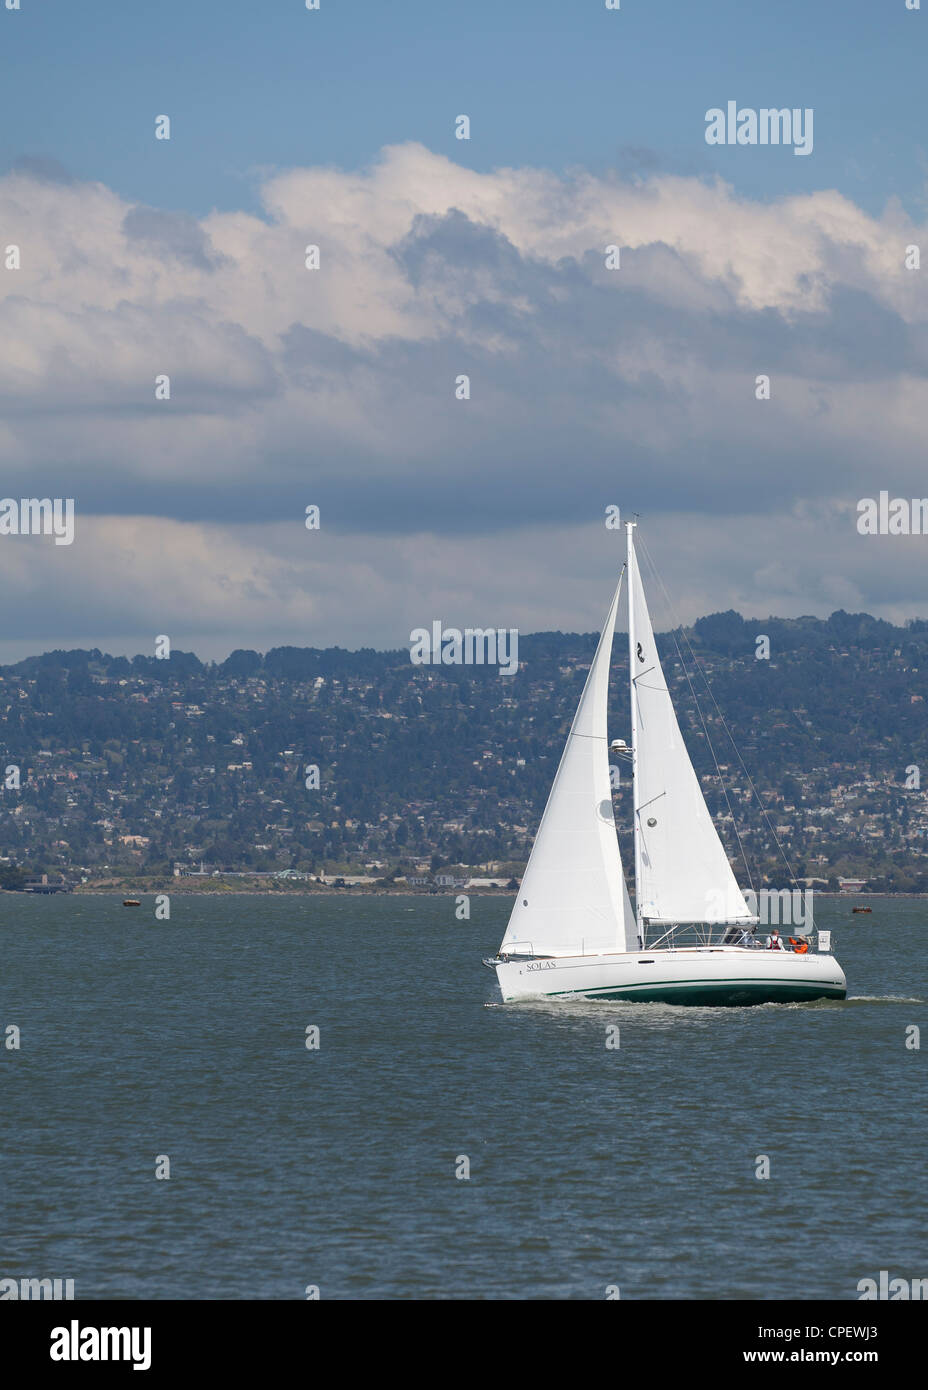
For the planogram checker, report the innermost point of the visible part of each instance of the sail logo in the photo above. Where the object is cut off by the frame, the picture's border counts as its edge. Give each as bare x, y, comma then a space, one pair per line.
474, 646
897, 516
38, 516
892, 1290
768, 126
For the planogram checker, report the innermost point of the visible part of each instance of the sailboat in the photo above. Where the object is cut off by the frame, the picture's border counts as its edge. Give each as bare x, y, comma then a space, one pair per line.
691, 937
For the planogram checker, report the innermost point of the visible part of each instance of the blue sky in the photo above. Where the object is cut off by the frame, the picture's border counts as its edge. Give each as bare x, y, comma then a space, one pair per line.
545, 82
441, 257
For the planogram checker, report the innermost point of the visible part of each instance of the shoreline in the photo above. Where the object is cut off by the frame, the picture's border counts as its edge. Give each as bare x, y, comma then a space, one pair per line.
859, 899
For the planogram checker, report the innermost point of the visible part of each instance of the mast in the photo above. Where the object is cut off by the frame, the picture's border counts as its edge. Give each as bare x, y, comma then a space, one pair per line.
636, 832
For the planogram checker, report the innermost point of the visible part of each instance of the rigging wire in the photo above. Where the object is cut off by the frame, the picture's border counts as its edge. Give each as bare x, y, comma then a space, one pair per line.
696, 663
721, 780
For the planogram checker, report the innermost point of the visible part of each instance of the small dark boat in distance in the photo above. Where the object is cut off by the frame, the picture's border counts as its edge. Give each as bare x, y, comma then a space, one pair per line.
137, 902
861, 909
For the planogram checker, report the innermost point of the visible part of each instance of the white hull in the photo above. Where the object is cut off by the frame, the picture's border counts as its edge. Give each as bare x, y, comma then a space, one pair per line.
701, 975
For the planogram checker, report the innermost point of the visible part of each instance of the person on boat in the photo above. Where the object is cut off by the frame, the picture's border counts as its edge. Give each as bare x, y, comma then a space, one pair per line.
747, 938
773, 941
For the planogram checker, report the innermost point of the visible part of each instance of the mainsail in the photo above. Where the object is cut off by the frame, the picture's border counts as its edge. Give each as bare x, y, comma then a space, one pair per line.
683, 873
573, 897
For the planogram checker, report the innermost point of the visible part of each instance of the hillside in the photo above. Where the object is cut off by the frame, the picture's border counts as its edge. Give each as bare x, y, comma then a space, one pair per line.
140, 764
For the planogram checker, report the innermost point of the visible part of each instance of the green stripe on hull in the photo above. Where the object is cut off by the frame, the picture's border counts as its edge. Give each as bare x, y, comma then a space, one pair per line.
724, 993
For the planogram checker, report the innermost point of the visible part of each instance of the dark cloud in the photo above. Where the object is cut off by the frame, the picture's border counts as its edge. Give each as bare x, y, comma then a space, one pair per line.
453, 244
586, 387
639, 159
307, 353
642, 161
171, 234
42, 168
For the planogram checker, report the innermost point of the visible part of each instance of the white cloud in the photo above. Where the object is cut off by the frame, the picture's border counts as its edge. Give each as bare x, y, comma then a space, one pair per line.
588, 387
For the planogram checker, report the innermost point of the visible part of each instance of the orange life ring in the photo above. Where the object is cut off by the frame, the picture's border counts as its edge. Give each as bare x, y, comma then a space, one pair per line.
800, 947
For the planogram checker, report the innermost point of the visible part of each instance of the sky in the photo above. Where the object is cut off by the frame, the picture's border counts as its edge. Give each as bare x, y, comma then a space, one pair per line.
438, 257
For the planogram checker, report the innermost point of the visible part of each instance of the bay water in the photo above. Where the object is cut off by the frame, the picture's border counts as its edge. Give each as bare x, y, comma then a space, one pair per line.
436, 1143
